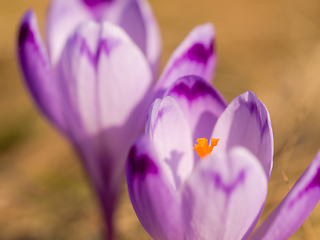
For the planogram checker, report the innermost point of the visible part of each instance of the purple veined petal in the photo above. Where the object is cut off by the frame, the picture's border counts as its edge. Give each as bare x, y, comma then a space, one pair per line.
138, 20
125, 81
37, 71
107, 80
170, 134
79, 80
134, 16
223, 195
194, 56
200, 102
246, 122
153, 198
62, 20
294, 208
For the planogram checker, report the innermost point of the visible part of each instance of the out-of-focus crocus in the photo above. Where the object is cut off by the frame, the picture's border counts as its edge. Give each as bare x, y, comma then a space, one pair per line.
98, 84
135, 17
176, 195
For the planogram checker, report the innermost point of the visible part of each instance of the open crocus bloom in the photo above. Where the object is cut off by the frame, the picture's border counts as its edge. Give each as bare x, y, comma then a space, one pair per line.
98, 90
176, 195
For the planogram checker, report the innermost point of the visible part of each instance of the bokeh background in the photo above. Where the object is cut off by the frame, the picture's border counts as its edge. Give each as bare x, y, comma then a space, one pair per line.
269, 47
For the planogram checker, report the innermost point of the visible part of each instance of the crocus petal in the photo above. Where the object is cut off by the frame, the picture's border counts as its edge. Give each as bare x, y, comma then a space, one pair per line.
194, 56
134, 16
152, 197
201, 104
37, 71
138, 20
125, 74
246, 122
172, 141
107, 79
223, 195
62, 20
79, 80
295, 207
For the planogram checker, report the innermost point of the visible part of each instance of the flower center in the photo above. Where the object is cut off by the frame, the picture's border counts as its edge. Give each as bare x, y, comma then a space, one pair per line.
203, 149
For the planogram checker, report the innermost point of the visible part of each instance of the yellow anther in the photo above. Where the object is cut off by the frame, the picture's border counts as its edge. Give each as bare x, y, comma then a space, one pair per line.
203, 149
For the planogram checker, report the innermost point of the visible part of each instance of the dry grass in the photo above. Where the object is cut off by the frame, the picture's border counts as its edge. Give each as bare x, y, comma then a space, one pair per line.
269, 47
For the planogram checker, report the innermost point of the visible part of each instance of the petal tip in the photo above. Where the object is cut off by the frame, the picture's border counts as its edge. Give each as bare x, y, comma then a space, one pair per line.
25, 31
208, 28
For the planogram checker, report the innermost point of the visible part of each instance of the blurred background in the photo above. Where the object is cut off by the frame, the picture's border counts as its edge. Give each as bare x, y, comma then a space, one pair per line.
269, 47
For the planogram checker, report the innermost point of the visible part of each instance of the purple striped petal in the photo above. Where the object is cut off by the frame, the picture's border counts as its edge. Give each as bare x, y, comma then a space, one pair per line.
153, 199
106, 82
79, 79
62, 20
246, 122
223, 195
170, 134
134, 16
107, 79
37, 71
201, 104
194, 56
138, 20
295, 207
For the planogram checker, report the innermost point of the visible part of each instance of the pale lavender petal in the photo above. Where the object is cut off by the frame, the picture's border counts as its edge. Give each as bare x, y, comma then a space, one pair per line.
294, 208
153, 198
37, 71
194, 56
79, 80
134, 16
223, 195
246, 122
124, 85
107, 80
171, 136
62, 20
138, 20
200, 102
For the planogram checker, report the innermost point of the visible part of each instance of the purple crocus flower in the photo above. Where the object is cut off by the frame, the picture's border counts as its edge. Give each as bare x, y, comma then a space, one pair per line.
97, 85
178, 196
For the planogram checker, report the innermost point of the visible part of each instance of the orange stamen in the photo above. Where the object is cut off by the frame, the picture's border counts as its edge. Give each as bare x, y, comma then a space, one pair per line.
203, 149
